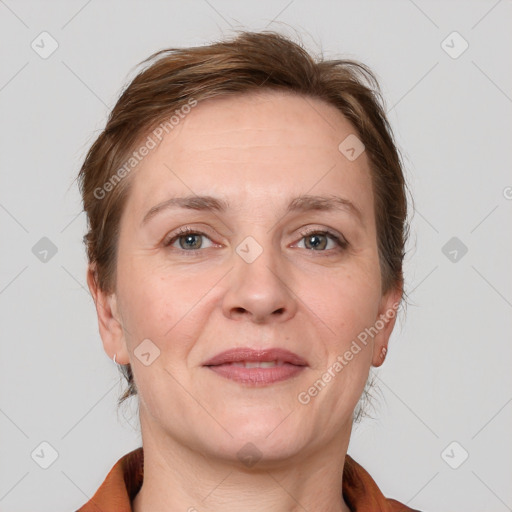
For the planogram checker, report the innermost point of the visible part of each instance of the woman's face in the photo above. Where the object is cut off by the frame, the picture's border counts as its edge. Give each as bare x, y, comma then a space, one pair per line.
257, 275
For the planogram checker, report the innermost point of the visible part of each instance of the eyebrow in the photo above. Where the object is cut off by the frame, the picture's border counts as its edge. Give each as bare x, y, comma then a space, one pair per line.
302, 203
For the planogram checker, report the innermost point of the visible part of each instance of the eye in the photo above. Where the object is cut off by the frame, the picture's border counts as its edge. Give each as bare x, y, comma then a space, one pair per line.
318, 240
188, 239
191, 240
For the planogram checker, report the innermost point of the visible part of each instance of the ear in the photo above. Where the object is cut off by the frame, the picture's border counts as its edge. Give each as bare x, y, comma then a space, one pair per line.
385, 323
109, 323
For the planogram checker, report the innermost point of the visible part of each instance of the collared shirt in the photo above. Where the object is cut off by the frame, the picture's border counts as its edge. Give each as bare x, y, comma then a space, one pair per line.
124, 481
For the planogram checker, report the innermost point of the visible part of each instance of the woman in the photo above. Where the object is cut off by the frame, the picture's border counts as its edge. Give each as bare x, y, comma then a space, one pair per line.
247, 220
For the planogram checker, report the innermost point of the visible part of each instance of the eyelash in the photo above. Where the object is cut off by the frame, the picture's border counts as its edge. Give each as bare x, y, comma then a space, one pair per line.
341, 242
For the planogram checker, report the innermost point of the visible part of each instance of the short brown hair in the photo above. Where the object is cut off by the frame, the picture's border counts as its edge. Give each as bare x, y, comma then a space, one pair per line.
251, 61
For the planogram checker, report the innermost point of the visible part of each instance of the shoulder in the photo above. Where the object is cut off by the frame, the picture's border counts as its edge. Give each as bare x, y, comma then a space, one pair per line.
362, 494
120, 486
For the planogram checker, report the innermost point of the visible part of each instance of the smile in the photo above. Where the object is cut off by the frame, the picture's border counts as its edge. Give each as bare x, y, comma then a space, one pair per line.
260, 373
257, 364
256, 367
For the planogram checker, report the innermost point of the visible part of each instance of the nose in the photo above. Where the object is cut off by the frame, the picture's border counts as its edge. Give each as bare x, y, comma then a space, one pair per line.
258, 291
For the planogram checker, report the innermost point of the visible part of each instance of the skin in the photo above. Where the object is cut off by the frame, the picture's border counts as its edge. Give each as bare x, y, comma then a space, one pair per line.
257, 152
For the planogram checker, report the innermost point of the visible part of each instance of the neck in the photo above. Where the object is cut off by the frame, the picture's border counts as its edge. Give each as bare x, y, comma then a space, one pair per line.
177, 478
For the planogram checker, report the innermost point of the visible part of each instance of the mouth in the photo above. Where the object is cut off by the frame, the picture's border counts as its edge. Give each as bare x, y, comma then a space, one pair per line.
256, 367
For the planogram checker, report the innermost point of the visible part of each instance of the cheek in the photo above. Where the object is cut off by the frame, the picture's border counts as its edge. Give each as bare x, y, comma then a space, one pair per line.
347, 311
161, 304
346, 302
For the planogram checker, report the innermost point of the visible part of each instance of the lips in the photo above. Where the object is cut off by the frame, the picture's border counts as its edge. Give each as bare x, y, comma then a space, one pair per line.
256, 367
248, 355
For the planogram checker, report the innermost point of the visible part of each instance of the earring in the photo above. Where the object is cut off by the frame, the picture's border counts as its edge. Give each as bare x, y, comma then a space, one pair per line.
383, 353
114, 358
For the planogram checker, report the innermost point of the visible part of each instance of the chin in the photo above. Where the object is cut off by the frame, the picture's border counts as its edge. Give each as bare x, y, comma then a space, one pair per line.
263, 433
255, 453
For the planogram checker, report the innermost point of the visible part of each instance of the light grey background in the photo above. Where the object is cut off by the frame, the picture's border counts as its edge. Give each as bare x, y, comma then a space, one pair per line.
447, 376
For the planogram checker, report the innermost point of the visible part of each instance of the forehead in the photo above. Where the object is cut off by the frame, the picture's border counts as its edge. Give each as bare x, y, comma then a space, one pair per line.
273, 119
253, 145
